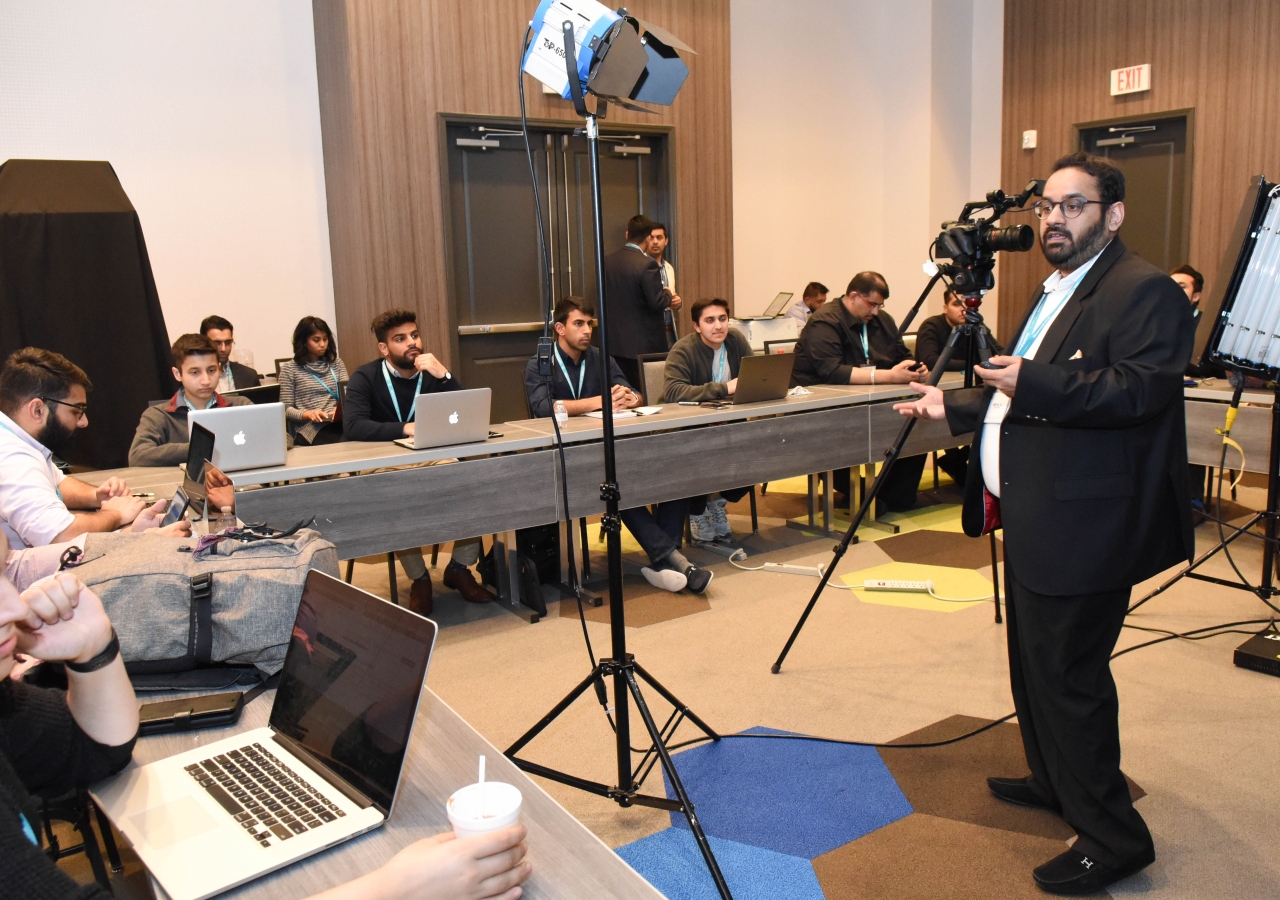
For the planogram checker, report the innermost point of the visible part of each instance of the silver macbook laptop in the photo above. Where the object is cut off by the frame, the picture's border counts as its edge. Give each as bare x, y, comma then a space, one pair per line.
327, 768
449, 417
766, 377
246, 437
775, 309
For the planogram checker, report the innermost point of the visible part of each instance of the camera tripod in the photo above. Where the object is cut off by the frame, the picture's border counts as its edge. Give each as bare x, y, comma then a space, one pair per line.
621, 666
979, 351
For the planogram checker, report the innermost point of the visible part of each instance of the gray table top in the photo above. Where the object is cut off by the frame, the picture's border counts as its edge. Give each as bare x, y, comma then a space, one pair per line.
568, 860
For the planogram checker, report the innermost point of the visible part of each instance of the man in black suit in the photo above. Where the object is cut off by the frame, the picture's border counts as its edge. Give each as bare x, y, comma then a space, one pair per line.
1081, 451
636, 301
232, 376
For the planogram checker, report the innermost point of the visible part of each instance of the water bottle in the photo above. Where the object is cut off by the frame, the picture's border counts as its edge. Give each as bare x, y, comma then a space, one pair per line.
226, 521
562, 414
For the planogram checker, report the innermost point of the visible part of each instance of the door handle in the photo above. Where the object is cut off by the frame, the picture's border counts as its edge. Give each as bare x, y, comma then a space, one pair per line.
500, 328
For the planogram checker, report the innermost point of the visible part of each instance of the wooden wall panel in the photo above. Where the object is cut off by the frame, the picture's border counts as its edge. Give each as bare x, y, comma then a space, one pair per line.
1220, 58
389, 68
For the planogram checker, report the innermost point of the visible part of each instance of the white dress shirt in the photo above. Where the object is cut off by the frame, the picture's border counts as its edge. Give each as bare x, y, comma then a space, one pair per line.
1058, 288
32, 513
226, 380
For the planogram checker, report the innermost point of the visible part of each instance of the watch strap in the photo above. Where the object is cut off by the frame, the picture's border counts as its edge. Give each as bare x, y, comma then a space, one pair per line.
103, 659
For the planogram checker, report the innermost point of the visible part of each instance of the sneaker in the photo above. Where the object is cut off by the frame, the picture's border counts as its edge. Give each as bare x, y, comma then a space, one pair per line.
719, 519
703, 528
662, 576
697, 579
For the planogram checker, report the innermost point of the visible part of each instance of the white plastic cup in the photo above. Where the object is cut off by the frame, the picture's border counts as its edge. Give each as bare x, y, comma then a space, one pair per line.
481, 808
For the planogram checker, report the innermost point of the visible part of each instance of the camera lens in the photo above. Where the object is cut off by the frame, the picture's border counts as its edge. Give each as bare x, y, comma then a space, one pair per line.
1011, 238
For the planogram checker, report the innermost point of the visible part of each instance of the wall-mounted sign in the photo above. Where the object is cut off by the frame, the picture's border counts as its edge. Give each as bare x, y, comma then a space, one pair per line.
1131, 79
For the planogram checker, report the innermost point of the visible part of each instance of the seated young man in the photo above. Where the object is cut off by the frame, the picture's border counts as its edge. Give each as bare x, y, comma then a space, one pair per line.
852, 341
575, 372
704, 366
52, 742
43, 401
379, 406
163, 433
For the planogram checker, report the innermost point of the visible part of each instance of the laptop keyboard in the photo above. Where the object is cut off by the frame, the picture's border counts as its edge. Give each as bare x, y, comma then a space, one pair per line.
267, 798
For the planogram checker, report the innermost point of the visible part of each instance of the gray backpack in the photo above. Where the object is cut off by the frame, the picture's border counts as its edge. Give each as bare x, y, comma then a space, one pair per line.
174, 613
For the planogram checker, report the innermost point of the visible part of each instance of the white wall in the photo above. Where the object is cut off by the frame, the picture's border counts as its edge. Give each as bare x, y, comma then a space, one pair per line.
209, 113
858, 127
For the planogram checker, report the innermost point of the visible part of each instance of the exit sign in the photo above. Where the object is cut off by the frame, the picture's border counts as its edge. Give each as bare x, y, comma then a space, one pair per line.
1131, 79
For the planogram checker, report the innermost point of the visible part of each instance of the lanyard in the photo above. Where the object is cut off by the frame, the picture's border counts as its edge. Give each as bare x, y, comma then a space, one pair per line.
582, 373
866, 346
386, 374
1040, 320
333, 391
718, 358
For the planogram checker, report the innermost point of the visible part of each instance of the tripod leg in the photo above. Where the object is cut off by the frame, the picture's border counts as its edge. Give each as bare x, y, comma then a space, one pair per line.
560, 707
995, 575
678, 786
671, 698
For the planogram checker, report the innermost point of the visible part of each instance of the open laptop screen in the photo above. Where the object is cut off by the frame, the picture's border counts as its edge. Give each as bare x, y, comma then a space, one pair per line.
351, 681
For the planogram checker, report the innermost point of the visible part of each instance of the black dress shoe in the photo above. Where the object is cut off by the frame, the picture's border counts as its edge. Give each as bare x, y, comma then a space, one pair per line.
1075, 874
1021, 792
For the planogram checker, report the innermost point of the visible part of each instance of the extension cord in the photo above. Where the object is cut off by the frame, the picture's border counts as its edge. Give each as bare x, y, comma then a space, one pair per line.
884, 584
815, 571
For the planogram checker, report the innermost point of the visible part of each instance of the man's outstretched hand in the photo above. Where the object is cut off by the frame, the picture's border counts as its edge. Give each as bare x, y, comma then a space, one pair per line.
929, 406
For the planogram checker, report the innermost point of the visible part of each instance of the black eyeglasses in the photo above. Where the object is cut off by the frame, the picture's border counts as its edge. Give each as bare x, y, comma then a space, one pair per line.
82, 409
1071, 207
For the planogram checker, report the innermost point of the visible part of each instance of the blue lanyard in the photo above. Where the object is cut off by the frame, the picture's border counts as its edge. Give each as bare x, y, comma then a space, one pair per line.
333, 391
1040, 320
386, 374
720, 356
866, 346
582, 373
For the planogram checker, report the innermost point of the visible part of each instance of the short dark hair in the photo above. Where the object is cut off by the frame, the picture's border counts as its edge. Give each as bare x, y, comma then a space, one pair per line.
307, 326
695, 311
1196, 277
564, 308
383, 322
31, 372
814, 288
215, 322
191, 345
1108, 175
867, 282
659, 226
640, 227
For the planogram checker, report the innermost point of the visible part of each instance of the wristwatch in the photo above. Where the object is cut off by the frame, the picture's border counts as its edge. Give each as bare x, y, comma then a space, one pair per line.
103, 659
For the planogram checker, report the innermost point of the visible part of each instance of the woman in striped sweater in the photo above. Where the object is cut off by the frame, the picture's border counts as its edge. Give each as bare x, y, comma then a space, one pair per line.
309, 384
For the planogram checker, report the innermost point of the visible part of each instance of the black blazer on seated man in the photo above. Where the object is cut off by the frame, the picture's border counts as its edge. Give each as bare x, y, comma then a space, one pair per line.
367, 411
635, 300
1093, 452
243, 376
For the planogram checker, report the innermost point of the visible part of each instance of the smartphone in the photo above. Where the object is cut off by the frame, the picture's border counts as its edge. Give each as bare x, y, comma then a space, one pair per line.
208, 711
990, 365
177, 508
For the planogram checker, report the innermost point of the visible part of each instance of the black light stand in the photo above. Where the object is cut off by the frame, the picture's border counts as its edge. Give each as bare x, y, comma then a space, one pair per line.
621, 666
979, 351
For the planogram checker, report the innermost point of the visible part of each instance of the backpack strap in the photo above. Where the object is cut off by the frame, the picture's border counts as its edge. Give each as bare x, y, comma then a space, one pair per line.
200, 639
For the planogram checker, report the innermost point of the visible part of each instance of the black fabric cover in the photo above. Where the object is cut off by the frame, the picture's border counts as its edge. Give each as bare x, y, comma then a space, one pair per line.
75, 278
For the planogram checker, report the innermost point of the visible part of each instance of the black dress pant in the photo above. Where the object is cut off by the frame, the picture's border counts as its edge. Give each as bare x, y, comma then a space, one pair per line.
900, 489
1068, 712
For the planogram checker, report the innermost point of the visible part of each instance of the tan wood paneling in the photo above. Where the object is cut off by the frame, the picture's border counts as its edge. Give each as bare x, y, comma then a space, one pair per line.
1219, 58
388, 69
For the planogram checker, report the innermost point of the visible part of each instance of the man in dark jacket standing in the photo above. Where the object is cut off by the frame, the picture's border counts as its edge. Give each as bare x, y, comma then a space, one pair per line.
1081, 450
635, 301
379, 406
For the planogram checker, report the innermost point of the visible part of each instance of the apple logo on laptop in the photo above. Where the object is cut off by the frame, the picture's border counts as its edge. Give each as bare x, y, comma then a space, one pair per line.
453, 418
239, 439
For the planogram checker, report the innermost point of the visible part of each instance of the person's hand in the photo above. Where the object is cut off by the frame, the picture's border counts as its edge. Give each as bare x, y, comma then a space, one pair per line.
1004, 380
929, 406
905, 372
180, 528
112, 487
218, 489
427, 362
65, 621
317, 415
408, 429
731, 386
150, 517
484, 867
675, 300
623, 397
128, 507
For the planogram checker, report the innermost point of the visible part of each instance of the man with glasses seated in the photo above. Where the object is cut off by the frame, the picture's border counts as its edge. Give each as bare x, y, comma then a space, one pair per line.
43, 401
232, 376
852, 341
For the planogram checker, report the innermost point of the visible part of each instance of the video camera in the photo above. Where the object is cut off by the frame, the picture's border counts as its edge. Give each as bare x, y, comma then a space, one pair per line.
971, 245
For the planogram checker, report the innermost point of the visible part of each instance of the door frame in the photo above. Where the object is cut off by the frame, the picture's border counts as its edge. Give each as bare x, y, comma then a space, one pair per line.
562, 126
1190, 115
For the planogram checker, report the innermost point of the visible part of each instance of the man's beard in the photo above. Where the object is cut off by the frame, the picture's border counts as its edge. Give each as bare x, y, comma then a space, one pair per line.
55, 435
1074, 253
406, 361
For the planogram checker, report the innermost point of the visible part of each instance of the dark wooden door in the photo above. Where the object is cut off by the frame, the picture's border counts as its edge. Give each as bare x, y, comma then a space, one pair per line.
1154, 157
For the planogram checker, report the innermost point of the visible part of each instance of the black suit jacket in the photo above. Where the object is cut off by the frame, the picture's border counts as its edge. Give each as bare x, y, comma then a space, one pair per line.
635, 298
243, 376
1093, 452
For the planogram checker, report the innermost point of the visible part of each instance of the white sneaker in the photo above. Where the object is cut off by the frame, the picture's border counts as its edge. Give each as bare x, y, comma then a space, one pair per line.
703, 527
719, 519
667, 579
